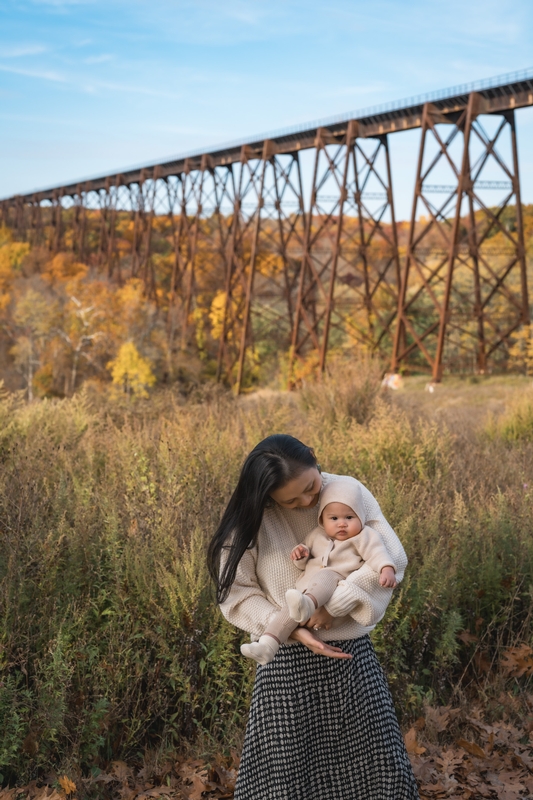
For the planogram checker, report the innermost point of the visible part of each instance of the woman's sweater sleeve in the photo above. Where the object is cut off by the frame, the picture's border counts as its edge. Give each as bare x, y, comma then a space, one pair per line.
360, 594
246, 606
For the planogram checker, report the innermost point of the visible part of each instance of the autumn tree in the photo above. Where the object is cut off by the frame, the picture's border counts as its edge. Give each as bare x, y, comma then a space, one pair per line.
131, 372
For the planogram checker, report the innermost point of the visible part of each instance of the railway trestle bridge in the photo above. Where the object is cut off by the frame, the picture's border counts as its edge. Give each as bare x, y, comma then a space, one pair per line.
296, 232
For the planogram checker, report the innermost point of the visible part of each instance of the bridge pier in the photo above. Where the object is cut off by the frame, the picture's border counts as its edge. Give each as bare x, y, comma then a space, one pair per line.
450, 299
350, 268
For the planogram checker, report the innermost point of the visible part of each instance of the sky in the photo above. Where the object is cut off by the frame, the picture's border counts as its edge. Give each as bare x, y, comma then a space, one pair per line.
89, 87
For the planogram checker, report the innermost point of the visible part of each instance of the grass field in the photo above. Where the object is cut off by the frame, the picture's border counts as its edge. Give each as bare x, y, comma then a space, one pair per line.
111, 645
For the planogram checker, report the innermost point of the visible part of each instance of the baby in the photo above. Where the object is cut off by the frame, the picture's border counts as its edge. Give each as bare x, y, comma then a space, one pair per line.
340, 544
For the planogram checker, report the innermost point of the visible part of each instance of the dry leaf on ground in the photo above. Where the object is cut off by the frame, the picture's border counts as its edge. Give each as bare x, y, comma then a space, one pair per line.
411, 744
68, 786
471, 747
517, 661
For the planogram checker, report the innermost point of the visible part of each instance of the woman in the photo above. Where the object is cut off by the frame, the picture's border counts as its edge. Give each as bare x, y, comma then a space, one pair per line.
319, 728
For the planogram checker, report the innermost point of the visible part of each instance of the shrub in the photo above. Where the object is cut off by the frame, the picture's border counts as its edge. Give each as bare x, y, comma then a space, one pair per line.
347, 390
516, 423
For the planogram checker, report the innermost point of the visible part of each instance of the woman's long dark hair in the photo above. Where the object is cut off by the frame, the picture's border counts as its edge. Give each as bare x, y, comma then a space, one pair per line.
272, 463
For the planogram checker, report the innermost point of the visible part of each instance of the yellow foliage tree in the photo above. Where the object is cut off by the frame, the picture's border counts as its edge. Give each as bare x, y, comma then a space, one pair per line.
216, 314
33, 320
131, 371
521, 352
11, 256
64, 267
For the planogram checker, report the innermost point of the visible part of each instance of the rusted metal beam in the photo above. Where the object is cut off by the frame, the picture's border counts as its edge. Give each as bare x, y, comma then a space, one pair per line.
521, 249
470, 114
506, 93
470, 292
251, 273
195, 193
348, 144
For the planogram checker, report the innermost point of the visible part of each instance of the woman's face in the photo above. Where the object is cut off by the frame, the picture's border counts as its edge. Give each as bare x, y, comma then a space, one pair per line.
300, 492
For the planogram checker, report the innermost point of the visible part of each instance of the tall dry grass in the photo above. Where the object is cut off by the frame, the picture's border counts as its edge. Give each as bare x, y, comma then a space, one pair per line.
110, 641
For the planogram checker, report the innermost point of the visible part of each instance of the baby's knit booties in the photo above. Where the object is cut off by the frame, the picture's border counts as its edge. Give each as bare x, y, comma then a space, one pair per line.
263, 651
301, 607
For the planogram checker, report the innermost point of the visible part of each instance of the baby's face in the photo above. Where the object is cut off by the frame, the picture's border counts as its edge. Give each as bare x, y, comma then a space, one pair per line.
340, 522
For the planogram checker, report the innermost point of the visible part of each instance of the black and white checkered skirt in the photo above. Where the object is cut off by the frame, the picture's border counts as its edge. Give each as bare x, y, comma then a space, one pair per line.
324, 729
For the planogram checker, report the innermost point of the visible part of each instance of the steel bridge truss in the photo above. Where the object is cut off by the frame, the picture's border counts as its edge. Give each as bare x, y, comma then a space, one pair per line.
305, 272
464, 283
269, 241
340, 285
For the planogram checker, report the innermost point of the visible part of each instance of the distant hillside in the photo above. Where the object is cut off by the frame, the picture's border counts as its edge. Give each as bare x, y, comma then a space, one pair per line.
65, 319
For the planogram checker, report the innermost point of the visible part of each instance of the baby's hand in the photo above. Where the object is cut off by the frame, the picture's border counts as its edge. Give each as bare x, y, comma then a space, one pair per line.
387, 578
300, 551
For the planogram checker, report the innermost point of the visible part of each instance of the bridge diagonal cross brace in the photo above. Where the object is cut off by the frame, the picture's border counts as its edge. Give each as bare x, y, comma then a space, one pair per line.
289, 243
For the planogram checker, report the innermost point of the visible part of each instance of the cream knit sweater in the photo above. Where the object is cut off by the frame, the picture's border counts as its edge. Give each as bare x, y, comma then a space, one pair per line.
266, 571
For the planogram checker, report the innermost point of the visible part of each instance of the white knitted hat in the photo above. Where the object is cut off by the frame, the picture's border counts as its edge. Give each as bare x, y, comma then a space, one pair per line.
344, 490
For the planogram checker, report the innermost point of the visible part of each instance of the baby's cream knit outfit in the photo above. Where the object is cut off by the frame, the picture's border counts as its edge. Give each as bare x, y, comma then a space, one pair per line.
345, 556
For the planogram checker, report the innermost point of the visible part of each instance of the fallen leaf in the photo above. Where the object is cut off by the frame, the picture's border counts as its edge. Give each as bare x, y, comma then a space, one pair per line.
226, 777
411, 744
423, 768
103, 777
126, 792
440, 718
450, 760
467, 637
33, 791
68, 786
507, 785
198, 787
472, 748
433, 788
505, 733
450, 784
517, 661
121, 771
157, 791
484, 790
486, 730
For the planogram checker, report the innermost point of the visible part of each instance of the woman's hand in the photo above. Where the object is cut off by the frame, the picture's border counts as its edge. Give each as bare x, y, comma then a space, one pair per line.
320, 619
308, 638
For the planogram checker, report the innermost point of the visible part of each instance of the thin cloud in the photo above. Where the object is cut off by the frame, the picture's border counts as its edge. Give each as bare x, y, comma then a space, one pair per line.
18, 51
354, 91
91, 87
63, 3
144, 90
98, 59
42, 75
73, 122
